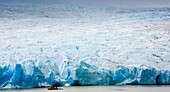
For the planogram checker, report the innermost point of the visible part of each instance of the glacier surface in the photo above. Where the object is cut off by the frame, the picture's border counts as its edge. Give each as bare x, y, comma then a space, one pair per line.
74, 45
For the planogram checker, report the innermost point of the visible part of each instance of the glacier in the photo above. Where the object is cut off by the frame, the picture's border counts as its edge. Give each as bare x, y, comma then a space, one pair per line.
60, 45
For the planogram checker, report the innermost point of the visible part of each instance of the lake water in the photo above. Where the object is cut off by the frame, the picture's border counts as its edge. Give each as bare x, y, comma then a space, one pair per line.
100, 89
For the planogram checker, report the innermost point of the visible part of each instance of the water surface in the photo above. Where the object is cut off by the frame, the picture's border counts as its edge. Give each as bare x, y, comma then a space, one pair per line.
99, 89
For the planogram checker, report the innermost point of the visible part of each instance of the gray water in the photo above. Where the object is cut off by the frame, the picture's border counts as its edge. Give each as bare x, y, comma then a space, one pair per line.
99, 89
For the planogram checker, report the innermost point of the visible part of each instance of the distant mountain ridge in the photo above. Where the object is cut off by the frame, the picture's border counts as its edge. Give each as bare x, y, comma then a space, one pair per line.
100, 3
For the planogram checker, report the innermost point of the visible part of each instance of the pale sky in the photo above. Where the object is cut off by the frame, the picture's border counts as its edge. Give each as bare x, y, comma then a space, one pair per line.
115, 3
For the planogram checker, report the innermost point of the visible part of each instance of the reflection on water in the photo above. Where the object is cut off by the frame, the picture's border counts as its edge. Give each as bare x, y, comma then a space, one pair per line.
120, 89
99, 89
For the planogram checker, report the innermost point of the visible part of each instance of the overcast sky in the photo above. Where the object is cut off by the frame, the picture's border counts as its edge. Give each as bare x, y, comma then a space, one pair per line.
115, 3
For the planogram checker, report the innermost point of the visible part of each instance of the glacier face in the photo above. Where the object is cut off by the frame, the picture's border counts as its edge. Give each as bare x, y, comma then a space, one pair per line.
83, 74
73, 45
